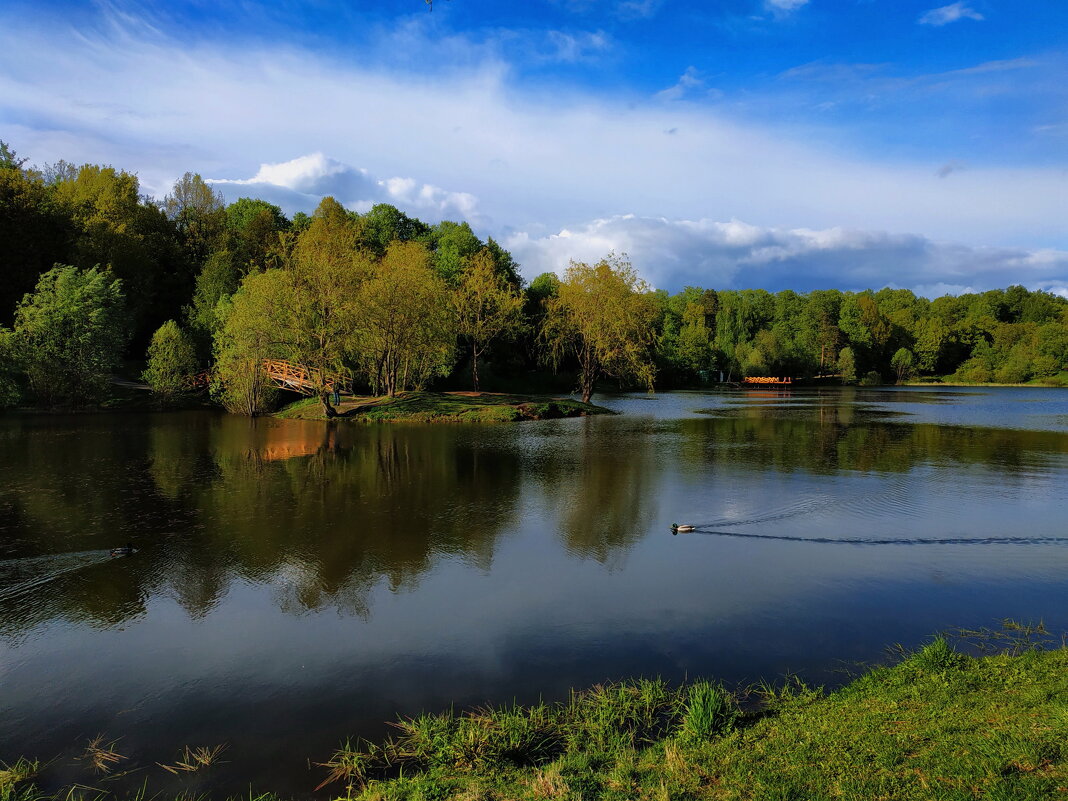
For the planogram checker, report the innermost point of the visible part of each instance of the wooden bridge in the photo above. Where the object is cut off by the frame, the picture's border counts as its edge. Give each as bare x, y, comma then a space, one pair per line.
763, 381
305, 380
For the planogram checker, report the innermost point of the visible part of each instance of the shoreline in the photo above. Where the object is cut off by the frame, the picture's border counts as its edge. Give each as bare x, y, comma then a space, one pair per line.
938, 723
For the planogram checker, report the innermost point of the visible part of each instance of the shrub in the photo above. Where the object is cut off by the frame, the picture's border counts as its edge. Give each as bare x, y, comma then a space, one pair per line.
69, 333
172, 361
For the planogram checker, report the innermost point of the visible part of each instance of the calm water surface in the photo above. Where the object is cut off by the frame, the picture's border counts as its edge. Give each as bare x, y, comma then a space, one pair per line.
298, 582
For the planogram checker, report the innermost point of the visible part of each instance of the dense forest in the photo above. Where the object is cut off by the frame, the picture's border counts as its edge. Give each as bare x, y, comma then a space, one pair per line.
95, 272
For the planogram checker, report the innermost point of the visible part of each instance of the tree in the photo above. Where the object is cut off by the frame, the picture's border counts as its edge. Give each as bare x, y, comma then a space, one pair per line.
35, 234
10, 394
198, 212
172, 361
407, 331
69, 334
116, 227
242, 341
847, 366
218, 279
486, 306
603, 316
695, 349
9, 159
903, 362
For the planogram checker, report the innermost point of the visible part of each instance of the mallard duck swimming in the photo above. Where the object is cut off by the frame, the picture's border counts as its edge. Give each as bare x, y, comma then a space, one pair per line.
124, 550
676, 527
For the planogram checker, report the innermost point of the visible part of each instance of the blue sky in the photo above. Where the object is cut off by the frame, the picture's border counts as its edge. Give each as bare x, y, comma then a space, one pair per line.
740, 143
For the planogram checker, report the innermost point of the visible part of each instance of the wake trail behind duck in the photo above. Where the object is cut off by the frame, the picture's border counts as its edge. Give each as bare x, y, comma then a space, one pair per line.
19, 576
793, 510
895, 540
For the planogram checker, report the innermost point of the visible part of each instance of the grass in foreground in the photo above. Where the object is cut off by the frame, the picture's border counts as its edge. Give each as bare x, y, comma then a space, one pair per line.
940, 725
461, 407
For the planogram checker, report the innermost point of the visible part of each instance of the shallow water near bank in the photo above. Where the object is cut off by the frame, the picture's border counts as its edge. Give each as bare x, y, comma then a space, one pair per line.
298, 582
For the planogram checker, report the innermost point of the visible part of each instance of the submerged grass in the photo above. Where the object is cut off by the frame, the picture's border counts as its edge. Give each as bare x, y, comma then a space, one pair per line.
425, 407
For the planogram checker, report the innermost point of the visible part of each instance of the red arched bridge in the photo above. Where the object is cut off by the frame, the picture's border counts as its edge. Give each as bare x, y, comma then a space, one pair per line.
296, 377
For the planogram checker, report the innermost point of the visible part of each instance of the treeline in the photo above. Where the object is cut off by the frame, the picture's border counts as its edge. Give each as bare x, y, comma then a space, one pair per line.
95, 271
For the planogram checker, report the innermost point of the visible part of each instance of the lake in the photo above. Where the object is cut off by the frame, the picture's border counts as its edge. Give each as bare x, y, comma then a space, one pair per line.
299, 582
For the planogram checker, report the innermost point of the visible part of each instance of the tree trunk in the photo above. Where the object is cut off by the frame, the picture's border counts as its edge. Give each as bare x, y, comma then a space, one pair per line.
474, 367
328, 410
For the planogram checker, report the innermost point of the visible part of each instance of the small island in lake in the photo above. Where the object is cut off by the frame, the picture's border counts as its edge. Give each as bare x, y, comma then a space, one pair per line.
460, 407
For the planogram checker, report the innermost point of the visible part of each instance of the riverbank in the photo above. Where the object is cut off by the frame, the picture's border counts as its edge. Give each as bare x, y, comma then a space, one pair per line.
437, 407
940, 724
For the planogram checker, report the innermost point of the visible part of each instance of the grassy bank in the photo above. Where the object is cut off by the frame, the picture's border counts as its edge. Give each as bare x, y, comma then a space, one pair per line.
461, 407
937, 725
1058, 380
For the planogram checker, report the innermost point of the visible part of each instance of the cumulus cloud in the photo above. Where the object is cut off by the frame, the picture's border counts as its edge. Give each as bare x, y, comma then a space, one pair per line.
736, 254
951, 13
299, 185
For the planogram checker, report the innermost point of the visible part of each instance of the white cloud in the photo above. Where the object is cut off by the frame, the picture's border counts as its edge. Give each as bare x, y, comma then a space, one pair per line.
735, 254
690, 81
951, 13
574, 47
299, 185
784, 6
435, 141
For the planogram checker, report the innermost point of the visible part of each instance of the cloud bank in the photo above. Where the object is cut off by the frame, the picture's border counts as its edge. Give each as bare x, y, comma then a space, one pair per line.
299, 185
737, 255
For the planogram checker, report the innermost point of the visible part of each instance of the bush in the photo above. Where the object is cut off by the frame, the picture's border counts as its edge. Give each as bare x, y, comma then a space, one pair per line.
69, 333
871, 379
172, 361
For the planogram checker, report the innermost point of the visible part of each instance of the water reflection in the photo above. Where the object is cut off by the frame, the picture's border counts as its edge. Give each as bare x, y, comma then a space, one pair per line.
298, 582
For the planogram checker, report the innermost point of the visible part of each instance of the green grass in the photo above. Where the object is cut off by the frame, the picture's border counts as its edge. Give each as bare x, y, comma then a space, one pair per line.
460, 407
1058, 380
939, 725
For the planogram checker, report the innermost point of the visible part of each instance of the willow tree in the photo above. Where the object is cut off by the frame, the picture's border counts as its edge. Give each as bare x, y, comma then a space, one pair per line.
603, 315
487, 306
407, 332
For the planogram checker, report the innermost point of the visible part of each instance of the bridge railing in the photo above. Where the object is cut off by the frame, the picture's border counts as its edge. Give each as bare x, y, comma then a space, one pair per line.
304, 379
763, 379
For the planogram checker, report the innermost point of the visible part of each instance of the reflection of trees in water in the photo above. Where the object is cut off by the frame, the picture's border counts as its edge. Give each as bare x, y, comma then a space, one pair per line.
322, 513
829, 438
601, 479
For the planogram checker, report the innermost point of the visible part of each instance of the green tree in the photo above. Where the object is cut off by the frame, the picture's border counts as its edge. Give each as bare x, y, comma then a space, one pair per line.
696, 350
10, 393
487, 306
199, 214
407, 333
242, 341
172, 361
847, 366
454, 245
602, 315
69, 334
903, 363
218, 279
35, 233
